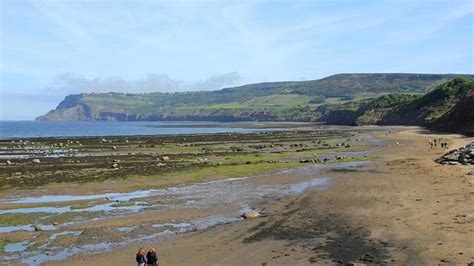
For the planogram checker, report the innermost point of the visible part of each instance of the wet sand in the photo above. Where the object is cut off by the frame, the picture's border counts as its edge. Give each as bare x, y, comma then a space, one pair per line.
82, 203
402, 209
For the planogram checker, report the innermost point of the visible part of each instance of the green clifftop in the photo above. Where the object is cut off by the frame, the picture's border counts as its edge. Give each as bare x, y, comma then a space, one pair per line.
272, 101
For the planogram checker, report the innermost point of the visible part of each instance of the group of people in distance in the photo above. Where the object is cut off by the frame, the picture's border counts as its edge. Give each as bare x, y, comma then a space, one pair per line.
435, 142
148, 259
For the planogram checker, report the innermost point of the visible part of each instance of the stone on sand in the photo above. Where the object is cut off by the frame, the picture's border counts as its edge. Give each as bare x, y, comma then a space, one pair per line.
250, 214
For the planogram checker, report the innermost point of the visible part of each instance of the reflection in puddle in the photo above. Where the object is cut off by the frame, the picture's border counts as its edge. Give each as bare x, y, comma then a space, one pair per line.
25, 227
16, 247
301, 186
75, 233
125, 229
180, 225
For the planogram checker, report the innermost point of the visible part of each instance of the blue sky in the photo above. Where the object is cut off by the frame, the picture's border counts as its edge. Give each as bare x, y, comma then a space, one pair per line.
53, 48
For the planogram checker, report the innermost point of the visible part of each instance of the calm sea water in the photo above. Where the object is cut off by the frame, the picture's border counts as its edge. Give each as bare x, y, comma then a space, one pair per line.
28, 129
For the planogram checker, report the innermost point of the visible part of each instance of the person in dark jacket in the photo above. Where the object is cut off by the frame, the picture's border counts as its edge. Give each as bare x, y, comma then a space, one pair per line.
141, 259
151, 257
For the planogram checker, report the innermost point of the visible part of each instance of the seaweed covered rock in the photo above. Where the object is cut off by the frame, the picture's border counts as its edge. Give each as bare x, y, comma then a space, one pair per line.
463, 155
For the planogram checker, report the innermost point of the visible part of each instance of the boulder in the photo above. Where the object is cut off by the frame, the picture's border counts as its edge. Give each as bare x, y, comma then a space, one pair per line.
451, 157
8, 162
470, 172
463, 155
165, 158
37, 228
250, 214
36, 161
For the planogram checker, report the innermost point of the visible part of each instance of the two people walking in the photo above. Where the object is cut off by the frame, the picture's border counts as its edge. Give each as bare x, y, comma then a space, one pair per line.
149, 259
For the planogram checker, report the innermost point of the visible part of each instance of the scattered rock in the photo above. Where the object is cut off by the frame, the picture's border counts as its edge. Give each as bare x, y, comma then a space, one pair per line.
36, 161
250, 214
115, 166
470, 172
165, 158
114, 147
55, 223
37, 228
8, 162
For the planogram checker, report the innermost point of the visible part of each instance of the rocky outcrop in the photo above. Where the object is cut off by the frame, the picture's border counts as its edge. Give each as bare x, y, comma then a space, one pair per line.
80, 112
463, 155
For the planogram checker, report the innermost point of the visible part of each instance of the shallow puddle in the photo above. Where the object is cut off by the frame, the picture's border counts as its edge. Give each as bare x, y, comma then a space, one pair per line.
16, 247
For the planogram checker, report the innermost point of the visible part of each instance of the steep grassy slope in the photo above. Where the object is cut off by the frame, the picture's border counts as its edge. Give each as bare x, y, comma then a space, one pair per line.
449, 107
364, 112
274, 101
460, 118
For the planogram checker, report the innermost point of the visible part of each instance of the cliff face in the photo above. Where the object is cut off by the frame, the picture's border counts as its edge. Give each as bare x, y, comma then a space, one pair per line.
71, 108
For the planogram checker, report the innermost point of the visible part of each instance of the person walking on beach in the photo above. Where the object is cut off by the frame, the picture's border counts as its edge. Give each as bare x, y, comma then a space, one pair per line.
151, 258
141, 259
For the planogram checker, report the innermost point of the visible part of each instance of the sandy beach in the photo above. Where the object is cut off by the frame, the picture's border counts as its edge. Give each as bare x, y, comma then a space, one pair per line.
401, 209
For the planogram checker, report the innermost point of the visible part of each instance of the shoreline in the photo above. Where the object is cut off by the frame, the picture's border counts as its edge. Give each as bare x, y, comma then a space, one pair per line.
251, 126
408, 221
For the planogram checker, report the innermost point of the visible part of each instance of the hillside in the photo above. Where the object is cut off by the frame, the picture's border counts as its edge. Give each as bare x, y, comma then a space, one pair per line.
460, 118
272, 101
449, 107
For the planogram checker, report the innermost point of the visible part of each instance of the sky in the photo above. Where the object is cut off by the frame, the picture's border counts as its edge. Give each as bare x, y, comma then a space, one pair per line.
49, 49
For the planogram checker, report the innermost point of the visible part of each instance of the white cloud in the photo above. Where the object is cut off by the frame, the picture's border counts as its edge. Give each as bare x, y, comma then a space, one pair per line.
67, 83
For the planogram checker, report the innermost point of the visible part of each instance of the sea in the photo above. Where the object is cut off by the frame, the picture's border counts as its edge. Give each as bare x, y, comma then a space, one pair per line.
33, 129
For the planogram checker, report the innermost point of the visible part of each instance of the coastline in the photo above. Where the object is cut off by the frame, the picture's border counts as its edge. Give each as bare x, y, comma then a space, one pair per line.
402, 209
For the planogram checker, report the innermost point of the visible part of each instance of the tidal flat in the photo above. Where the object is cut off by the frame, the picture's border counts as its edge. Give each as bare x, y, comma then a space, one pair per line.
111, 191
